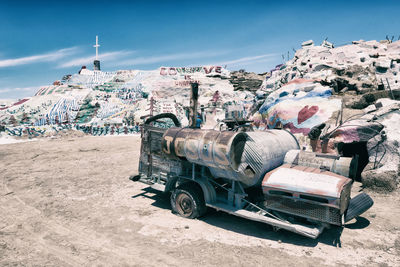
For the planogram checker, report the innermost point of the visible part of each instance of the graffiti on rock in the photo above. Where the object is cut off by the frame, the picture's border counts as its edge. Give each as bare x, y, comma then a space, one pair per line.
189, 70
306, 113
87, 129
297, 106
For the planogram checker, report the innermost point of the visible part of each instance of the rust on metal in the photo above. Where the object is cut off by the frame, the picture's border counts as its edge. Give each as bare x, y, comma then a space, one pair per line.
314, 181
307, 192
207, 147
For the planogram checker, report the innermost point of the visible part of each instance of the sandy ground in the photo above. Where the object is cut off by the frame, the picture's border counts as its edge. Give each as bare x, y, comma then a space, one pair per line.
68, 202
6, 139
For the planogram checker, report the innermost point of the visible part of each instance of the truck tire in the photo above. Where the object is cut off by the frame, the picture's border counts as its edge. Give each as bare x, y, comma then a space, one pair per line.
358, 205
188, 201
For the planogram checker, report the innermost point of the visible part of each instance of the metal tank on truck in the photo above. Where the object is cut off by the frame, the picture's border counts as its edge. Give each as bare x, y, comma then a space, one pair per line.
243, 157
246, 173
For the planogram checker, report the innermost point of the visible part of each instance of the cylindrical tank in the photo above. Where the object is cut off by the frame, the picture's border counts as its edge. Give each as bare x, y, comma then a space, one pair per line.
244, 157
205, 147
345, 166
264, 151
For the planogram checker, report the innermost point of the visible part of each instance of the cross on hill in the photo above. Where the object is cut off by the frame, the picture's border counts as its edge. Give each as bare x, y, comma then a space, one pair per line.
97, 47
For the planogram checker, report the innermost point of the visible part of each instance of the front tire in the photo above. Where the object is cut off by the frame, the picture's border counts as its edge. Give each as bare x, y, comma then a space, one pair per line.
188, 201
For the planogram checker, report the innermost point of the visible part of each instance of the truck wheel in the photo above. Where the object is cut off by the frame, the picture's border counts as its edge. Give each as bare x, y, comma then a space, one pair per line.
134, 178
188, 201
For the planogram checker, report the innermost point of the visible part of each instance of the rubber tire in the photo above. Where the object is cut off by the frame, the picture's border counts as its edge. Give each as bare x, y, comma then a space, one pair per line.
188, 196
358, 205
134, 178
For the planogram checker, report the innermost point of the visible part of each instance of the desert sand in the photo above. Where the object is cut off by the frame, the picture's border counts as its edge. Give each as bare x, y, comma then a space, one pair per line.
68, 202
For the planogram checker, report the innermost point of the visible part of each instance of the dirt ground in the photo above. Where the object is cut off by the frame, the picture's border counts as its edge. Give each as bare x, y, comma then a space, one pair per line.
69, 202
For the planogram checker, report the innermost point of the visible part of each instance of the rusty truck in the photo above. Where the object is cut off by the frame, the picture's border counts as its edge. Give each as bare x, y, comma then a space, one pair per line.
258, 175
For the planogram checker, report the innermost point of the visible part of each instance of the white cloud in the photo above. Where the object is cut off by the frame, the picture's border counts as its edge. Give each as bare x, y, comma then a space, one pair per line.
19, 89
46, 57
109, 56
249, 60
244, 61
247, 63
170, 57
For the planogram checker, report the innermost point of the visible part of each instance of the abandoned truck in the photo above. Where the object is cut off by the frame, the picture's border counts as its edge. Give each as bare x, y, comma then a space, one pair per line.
261, 176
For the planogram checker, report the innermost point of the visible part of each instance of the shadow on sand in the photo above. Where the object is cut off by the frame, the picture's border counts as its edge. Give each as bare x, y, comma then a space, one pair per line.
260, 230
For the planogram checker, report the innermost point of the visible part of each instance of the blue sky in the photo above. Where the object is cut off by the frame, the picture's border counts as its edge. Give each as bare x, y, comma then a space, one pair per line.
40, 41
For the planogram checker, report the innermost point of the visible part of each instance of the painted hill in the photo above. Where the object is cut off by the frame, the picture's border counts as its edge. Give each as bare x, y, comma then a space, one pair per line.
98, 98
340, 100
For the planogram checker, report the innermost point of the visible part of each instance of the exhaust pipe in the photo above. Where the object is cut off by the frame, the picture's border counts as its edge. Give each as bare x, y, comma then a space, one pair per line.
194, 96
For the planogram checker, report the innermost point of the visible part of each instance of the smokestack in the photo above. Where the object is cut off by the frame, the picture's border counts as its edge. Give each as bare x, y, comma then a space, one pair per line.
194, 95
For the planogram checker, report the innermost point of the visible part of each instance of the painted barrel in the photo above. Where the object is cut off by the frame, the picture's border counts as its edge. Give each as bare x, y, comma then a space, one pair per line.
244, 157
205, 147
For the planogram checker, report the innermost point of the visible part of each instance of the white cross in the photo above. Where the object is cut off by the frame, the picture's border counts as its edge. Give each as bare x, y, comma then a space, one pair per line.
97, 47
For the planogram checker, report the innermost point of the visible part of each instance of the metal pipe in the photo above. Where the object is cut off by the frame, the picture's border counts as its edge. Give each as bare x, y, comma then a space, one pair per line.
194, 95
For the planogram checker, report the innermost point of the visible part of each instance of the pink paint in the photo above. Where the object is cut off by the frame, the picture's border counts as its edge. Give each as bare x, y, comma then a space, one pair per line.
16, 103
293, 129
208, 70
347, 135
21, 101
300, 80
163, 71
174, 71
305, 113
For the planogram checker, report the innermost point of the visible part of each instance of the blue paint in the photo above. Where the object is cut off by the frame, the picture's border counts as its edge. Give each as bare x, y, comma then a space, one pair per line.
284, 93
266, 106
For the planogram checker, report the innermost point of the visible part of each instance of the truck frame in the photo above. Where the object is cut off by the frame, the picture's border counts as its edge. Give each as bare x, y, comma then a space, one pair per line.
192, 191
223, 170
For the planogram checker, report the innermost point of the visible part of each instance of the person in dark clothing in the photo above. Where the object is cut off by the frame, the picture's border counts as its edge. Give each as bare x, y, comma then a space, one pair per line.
199, 121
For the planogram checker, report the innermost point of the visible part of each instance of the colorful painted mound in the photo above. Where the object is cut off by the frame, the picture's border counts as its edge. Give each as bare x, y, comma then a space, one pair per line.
298, 106
96, 97
337, 100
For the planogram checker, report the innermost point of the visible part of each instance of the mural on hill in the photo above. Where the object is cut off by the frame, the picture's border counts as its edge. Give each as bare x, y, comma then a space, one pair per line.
96, 97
